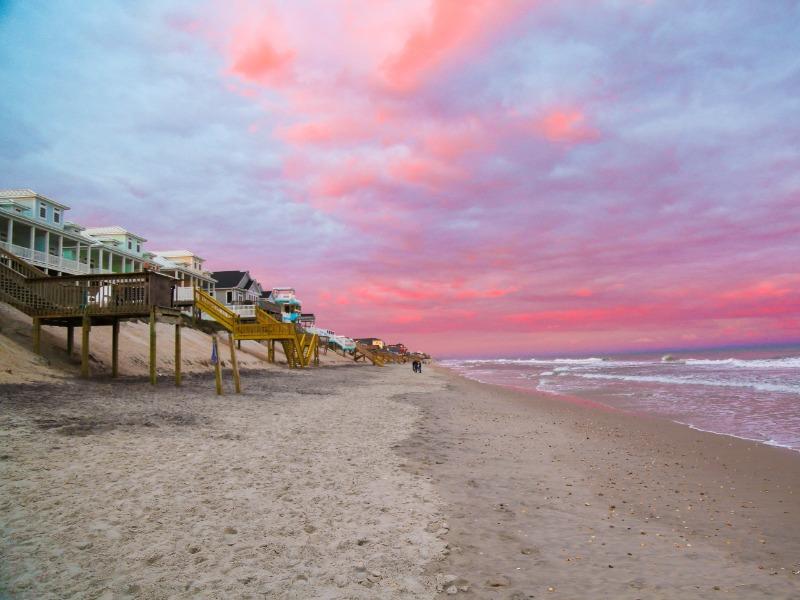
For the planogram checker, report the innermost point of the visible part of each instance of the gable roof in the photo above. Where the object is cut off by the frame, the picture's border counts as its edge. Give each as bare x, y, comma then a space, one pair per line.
112, 230
28, 193
229, 279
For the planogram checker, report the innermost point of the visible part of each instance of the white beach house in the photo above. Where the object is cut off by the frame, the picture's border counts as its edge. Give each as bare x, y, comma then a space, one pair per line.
34, 228
187, 268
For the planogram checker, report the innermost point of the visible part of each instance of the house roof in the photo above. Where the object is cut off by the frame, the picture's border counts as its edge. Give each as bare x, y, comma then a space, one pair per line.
175, 253
229, 279
112, 230
29, 193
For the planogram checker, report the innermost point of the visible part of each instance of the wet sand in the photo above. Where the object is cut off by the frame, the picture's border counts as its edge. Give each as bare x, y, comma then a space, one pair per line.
545, 499
359, 482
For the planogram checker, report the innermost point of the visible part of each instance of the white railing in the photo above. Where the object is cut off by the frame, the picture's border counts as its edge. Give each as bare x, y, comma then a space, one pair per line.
245, 311
184, 294
47, 260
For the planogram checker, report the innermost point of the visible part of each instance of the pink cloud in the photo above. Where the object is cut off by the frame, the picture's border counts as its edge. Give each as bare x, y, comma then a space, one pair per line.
451, 28
566, 125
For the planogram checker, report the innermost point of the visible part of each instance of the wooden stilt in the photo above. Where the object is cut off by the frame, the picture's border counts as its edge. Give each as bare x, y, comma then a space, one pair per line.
271, 351
70, 340
234, 365
37, 335
153, 372
86, 326
217, 364
239, 344
115, 348
178, 354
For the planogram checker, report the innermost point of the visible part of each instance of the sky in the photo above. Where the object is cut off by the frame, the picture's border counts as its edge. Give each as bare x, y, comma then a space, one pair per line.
468, 177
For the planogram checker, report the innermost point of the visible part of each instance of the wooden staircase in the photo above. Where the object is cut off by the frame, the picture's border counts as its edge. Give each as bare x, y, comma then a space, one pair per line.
364, 352
301, 349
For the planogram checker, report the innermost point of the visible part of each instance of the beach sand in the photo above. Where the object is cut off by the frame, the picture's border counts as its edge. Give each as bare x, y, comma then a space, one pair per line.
361, 482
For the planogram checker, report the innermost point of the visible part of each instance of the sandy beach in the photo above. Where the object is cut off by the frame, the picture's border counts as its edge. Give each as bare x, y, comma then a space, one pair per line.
359, 482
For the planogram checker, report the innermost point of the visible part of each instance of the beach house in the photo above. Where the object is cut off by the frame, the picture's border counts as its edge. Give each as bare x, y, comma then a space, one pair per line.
289, 306
370, 341
34, 228
187, 268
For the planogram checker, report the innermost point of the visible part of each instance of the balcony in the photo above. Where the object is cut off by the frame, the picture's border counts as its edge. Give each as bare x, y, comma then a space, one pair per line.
44, 260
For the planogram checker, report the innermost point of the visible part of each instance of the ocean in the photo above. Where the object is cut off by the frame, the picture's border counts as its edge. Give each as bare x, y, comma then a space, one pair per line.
752, 394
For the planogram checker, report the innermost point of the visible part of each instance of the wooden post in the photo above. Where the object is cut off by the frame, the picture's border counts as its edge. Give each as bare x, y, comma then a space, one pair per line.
234, 365
37, 335
217, 363
271, 351
70, 340
239, 344
153, 372
177, 354
115, 348
86, 326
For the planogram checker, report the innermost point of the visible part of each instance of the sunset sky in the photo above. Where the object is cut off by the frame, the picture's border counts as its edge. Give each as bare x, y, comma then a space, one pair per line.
469, 177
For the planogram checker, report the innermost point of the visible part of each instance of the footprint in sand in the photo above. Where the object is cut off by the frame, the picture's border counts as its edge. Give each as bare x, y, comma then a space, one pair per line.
229, 537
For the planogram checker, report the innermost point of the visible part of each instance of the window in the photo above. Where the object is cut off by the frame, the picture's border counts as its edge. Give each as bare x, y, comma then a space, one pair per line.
130, 245
42, 211
57, 215
138, 246
228, 297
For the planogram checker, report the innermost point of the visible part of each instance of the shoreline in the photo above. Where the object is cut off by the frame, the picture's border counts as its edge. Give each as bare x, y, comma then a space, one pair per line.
590, 402
718, 513
359, 482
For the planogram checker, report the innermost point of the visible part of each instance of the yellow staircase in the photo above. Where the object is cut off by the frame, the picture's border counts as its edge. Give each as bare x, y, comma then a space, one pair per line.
364, 352
301, 349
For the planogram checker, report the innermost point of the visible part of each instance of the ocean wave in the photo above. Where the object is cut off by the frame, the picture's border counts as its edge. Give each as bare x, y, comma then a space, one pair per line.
756, 385
788, 362
527, 361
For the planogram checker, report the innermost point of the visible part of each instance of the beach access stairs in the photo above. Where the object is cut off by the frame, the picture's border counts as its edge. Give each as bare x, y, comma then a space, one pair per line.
301, 348
367, 353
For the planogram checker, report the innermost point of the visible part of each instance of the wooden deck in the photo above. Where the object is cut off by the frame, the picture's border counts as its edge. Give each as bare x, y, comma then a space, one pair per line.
90, 300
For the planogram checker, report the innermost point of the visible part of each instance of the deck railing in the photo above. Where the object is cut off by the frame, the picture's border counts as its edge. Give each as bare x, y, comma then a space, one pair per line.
114, 294
46, 260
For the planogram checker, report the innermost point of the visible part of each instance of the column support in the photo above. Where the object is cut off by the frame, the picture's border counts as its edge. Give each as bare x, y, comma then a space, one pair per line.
37, 335
70, 339
234, 364
153, 372
177, 354
115, 348
86, 326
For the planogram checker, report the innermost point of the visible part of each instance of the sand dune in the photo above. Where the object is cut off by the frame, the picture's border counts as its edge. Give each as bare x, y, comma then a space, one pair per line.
20, 364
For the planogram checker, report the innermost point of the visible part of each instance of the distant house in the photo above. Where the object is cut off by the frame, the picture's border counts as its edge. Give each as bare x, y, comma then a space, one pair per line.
307, 319
187, 268
34, 227
287, 302
397, 348
375, 342
130, 255
236, 287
